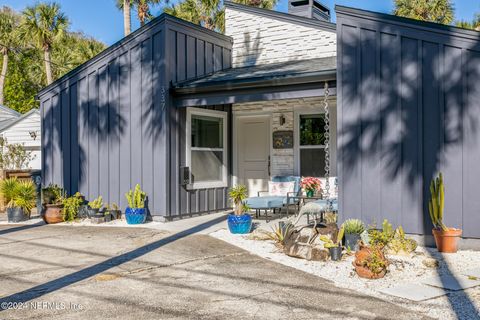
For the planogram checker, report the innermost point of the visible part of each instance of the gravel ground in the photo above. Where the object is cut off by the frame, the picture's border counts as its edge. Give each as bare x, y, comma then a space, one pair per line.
403, 270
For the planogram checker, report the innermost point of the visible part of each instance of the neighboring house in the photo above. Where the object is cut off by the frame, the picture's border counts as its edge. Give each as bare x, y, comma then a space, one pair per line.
187, 113
23, 129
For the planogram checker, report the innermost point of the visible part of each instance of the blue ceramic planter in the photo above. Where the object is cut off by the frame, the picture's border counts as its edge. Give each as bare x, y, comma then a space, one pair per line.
135, 215
239, 224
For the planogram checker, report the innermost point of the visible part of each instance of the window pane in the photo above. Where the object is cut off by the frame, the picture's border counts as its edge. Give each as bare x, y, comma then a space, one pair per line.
207, 132
207, 166
312, 162
312, 130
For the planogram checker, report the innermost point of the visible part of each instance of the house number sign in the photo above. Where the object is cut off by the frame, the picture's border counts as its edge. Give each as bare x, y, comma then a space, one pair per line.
283, 139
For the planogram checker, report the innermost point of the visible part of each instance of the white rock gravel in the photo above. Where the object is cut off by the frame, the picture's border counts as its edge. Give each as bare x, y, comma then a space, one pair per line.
455, 305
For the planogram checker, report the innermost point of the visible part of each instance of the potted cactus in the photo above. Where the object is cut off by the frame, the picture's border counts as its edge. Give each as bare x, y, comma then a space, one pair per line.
136, 213
239, 222
335, 248
446, 238
353, 230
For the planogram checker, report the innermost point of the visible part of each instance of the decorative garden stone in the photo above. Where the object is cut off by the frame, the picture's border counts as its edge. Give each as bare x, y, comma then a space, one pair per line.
304, 242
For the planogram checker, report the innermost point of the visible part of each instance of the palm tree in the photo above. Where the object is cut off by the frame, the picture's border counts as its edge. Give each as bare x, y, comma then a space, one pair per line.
8, 25
474, 25
207, 13
266, 4
45, 24
439, 11
143, 11
126, 5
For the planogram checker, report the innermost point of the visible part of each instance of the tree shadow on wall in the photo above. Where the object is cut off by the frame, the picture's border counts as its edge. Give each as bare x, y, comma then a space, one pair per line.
85, 113
409, 110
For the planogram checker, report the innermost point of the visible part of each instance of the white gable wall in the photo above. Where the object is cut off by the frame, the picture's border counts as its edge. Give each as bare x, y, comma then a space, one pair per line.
259, 39
20, 133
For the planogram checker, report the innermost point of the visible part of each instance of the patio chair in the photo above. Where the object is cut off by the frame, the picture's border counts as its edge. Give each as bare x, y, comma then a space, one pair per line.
265, 201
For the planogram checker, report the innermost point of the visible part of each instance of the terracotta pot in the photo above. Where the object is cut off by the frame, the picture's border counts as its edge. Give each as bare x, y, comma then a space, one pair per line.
363, 254
364, 272
53, 213
447, 241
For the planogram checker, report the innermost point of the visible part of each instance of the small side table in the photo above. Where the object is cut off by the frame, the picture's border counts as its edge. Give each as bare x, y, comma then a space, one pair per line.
302, 200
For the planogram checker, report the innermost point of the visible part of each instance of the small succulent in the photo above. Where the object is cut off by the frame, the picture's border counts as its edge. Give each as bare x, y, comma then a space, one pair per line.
354, 226
97, 203
328, 243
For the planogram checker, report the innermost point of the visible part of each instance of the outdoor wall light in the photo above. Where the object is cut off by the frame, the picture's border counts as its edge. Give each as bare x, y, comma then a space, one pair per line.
33, 134
282, 119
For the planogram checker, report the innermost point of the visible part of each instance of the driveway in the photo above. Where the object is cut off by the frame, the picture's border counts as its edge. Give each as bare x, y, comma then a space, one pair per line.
54, 272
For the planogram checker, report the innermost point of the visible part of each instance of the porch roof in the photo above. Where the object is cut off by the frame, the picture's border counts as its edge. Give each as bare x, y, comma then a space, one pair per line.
281, 80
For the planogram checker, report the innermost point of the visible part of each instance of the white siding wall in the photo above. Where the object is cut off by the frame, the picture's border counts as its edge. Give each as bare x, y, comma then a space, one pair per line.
20, 133
7, 115
259, 40
285, 161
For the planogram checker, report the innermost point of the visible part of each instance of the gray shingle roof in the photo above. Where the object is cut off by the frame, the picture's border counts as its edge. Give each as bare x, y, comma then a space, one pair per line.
271, 71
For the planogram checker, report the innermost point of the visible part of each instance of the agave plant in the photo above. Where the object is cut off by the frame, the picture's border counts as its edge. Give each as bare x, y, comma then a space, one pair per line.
8, 189
353, 226
26, 194
280, 233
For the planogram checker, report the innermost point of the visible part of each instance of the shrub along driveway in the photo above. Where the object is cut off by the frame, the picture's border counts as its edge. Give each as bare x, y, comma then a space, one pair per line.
52, 272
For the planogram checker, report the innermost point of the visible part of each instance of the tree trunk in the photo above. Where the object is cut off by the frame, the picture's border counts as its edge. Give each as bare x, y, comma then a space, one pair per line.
3, 74
126, 17
48, 66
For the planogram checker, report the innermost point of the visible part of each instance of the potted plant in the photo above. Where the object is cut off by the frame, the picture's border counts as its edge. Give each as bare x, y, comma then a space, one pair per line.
136, 213
335, 248
53, 197
113, 210
370, 262
71, 207
20, 197
94, 207
239, 222
311, 185
83, 209
446, 238
353, 230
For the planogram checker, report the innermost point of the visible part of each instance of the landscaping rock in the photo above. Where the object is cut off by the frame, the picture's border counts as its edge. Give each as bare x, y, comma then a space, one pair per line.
431, 263
259, 234
298, 245
97, 220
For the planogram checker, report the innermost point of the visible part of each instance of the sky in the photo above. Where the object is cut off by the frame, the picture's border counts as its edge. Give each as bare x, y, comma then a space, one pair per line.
102, 20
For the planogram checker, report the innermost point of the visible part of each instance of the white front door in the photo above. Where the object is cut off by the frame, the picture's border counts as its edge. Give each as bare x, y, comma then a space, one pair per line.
253, 152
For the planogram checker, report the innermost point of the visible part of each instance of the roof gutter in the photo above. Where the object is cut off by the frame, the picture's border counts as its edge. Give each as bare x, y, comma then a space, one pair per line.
255, 83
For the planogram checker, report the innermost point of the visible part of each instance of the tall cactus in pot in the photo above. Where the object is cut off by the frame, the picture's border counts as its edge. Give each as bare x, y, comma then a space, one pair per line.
436, 204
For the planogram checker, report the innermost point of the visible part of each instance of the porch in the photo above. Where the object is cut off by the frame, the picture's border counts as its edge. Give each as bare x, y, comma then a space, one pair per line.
273, 122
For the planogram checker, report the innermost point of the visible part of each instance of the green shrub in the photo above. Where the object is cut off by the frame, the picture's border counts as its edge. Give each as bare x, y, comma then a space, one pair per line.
136, 198
353, 226
381, 237
71, 205
53, 194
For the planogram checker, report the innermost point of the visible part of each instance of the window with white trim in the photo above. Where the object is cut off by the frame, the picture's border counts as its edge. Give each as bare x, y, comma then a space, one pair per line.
312, 145
207, 148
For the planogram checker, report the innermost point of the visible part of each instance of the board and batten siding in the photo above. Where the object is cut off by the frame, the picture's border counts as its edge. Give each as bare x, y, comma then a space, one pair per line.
19, 133
408, 108
110, 123
260, 39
